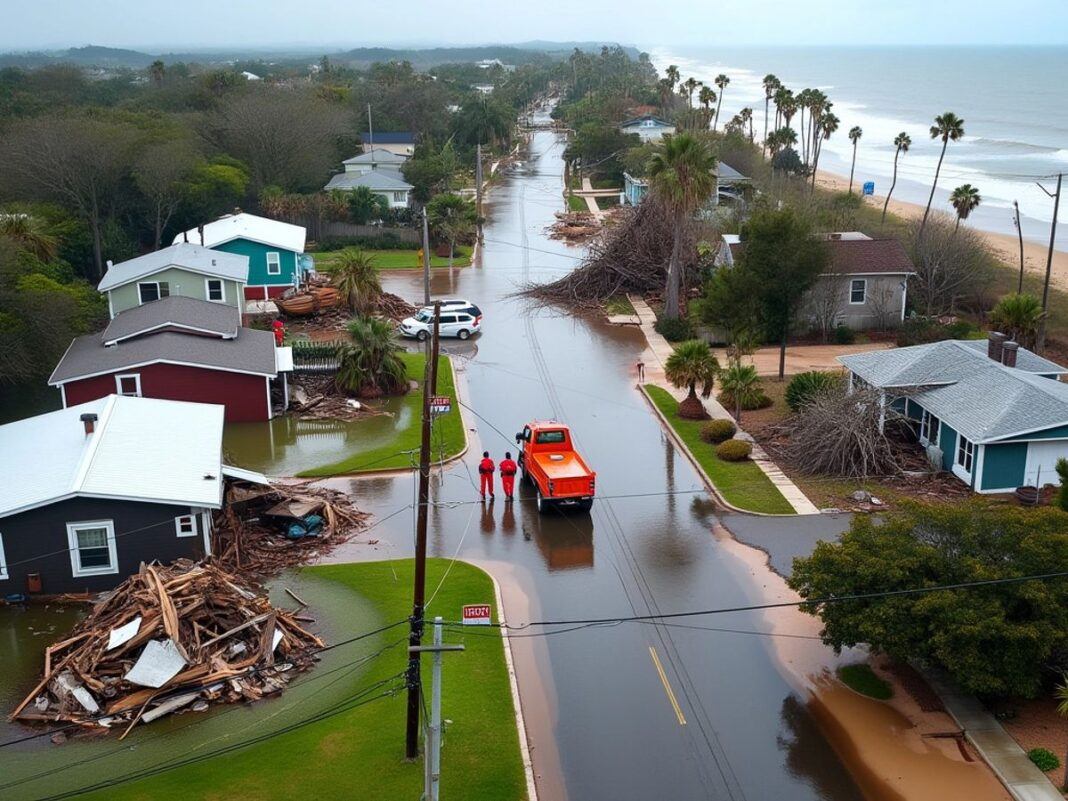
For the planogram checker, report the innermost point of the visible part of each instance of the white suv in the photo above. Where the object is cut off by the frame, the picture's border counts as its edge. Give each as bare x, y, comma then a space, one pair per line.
459, 318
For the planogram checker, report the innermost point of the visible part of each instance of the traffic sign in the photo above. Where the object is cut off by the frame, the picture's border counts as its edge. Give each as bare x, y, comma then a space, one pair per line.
440, 404
477, 614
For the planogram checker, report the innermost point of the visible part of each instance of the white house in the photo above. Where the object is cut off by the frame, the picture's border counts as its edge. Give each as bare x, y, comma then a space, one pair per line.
384, 183
377, 158
649, 127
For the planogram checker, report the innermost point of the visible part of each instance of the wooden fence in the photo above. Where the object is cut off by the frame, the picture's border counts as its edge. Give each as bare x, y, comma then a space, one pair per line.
310, 356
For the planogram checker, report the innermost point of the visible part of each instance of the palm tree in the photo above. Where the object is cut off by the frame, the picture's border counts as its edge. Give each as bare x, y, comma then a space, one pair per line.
672, 73
665, 90
28, 233
902, 142
741, 384
771, 83
721, 82
156, 71
1019, 315
965, 199
825, 126
691, 84
947, 127
356, 279
706, 97
371, 364
854, 136
453, 218
783, 96
1061, 696
747, 117
817, 104
692, 363
682, 173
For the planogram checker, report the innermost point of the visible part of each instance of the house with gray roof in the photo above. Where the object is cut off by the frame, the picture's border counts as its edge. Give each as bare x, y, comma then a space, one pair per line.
177, 348
992, 413
184, 269
375, 159
384, 183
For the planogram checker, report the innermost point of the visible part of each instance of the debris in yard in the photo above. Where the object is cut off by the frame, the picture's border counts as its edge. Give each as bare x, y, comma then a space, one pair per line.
255, 533
168, 638
315, 396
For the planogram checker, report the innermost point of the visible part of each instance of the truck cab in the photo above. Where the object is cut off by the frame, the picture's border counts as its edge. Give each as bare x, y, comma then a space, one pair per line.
558, 473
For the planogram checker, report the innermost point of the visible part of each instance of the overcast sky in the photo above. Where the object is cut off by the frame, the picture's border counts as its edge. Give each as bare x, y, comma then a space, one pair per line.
170, 24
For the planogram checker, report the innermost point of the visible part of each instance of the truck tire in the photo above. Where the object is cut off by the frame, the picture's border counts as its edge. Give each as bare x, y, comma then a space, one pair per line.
422, 336
463, 333
585, 506
543, 505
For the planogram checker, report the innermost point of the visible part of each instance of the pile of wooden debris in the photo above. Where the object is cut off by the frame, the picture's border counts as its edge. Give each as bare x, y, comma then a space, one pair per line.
574, 226
169, 638
265, 529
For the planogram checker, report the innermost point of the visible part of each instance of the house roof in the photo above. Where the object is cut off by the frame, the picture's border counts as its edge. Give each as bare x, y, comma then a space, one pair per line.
375, 180
639, 120
853, 256
190, 314
252, 227
389, 137
956, 381
142, 449
727, 173
251, 351
188, 256
381, 156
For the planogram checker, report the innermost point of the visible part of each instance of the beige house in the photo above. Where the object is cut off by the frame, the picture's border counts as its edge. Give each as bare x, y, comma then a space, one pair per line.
865, 287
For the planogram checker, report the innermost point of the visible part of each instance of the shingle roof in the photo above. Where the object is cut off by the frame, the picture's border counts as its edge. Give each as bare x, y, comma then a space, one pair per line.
252, 227
173, 312
381, 180
250, 352
638, 120
381, 156
858, 256
956, 381
389, 137
142, 449
727, 173
187, 255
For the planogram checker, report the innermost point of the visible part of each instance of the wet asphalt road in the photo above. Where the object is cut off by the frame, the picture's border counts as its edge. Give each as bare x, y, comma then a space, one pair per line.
634, 711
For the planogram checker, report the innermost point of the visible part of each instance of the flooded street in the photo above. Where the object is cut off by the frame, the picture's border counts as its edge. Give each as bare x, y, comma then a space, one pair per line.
700, 710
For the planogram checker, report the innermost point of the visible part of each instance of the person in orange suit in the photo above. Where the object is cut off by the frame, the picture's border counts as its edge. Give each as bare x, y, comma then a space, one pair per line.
508, 471
485, 472
279, 329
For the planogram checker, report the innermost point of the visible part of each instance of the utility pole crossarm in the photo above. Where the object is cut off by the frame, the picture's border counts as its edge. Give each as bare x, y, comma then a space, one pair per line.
434, 649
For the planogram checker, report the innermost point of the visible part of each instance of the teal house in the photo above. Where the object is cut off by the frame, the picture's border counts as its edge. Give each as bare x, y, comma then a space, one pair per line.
274, 249
993, 414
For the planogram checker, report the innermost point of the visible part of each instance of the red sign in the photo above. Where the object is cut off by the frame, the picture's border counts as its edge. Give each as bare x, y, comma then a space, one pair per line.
477, 614
440, 404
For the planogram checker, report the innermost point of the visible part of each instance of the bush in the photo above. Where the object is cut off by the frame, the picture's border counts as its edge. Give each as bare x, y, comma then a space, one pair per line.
759, 401
678, 329
716, 431
862, 679
1062, 491
962, 329
921, 330
734, 450
1044, 760
803, 387
844, 335
385, 241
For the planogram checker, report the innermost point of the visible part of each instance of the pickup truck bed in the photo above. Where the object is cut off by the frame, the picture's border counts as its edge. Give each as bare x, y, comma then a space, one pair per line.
560, 466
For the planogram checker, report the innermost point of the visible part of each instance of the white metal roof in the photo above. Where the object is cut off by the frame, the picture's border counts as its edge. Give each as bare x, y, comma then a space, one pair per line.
142, 449
249, 226
187, 255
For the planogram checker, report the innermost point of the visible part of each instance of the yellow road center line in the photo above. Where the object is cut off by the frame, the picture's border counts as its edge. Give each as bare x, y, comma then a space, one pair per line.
667, 687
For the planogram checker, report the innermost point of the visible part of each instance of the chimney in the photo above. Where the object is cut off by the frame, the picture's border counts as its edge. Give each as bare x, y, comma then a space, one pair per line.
1008, 353
994, 342
89, 421
185, 237
200, 230
110, 264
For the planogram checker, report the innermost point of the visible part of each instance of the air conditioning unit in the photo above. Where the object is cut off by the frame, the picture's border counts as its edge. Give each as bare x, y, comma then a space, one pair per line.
934, 456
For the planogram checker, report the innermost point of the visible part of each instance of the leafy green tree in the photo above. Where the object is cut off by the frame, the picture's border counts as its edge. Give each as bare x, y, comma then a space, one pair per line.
992, 640
160, 174
453, 218
1062, 492
902, 143
212, 189
949, 128
965, 199
740, 385
365, 206
601, 148
483, 120
690, 364
371, 365
681, 173
356, 279
1020, 316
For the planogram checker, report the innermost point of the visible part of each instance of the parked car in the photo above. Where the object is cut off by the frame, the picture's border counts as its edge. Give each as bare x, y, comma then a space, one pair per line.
549, 461
459, 318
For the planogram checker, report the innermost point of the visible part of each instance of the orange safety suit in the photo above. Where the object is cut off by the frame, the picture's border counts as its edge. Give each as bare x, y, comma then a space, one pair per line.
485, 472
508, 471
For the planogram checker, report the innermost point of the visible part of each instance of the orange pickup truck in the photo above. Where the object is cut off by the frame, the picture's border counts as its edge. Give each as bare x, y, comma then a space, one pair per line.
549, 461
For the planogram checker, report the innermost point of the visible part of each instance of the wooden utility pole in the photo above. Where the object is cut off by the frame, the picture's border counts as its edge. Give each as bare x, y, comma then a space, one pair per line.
1049, 258
415, 637
478, 188
1019, 233
426, 262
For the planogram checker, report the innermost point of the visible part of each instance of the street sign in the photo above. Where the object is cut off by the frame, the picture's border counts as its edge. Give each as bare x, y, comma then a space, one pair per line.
476, 614
440, 404
869, 187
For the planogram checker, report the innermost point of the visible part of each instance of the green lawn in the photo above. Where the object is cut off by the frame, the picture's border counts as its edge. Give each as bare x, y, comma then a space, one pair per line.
397, 259
447, 437
359, 754
863, 680
742, 483
618, 304
576, 203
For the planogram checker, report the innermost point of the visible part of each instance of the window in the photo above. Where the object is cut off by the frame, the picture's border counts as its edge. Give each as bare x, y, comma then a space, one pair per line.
92, 548
965, 453
128, 385
549, 437
185, 526
399, 197
153, 290
3, 560
274, 263
858, 291
446, 319
929, 425
214, 290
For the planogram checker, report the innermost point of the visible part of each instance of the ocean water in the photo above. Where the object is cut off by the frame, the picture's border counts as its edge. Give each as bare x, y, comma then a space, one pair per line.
1014, 102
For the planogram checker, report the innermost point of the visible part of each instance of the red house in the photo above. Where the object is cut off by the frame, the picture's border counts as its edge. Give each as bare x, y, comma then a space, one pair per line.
175, 348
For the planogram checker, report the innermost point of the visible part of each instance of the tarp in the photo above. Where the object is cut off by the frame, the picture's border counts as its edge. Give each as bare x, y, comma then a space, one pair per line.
159, 663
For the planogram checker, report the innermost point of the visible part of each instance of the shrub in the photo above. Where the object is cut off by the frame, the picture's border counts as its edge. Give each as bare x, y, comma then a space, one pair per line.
862, 679
760, 400
734, 450
961, 329
1062, 491
844, 335
674, 330
1044, 760
921, 330
716, 431
803, 387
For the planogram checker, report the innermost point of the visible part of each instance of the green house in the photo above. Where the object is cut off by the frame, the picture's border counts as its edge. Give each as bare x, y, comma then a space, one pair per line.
181, 270
274, 250
993, 414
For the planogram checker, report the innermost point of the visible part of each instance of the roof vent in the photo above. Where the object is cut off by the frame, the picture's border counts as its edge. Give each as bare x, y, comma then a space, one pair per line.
213, 262
89, 422
835, 236
994, 342
110, 264
1008, 353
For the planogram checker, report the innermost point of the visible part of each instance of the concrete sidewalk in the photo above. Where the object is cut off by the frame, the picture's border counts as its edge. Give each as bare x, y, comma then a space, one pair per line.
661, 350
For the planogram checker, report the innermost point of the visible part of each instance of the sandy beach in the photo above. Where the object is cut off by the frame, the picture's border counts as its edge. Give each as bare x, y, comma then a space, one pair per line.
1008, 247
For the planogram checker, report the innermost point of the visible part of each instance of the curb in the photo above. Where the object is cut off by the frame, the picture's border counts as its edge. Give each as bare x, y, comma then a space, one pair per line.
513, 683
682, 446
